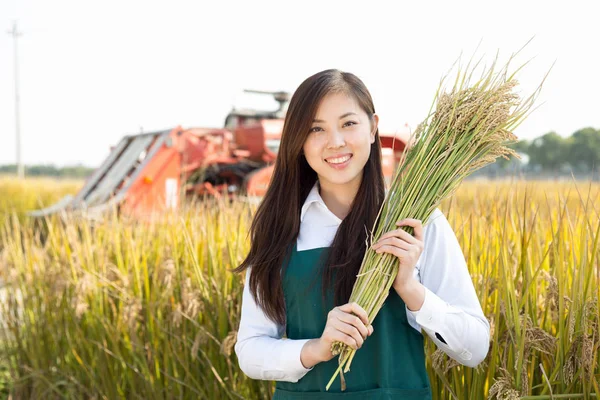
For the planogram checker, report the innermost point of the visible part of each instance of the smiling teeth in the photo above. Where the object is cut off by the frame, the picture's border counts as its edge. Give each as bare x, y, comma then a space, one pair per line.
338, 160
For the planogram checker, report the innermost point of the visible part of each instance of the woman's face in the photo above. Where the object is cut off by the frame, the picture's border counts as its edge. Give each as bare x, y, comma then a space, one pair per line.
339, 143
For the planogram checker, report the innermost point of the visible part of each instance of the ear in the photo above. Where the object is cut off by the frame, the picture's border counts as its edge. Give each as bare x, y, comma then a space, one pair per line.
375, 123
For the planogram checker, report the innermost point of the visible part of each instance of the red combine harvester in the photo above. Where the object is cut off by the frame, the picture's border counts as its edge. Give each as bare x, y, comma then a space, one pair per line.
152, 172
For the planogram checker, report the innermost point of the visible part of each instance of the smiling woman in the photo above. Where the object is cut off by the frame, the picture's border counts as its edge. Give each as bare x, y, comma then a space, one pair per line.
308, 240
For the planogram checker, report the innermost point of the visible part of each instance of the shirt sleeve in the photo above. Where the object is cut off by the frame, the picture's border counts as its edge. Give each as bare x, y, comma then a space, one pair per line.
451, 314
261, 351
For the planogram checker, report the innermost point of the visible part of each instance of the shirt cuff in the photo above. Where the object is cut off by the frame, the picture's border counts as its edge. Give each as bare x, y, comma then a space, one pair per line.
432, 312
291, 357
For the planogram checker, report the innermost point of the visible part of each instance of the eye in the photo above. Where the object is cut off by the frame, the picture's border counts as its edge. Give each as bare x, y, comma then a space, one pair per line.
313, 129
350, 122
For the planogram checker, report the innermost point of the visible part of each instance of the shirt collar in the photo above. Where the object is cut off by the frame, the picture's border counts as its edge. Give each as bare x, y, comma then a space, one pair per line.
315, 198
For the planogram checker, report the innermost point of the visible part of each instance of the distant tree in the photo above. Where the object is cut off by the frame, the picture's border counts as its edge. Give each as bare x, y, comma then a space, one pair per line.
522, 146
42, 170
76, 171
583, 150
8, 169
548, 151
551, 153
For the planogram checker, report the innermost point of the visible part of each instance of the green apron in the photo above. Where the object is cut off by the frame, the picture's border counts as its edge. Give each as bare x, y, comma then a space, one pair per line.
391, 362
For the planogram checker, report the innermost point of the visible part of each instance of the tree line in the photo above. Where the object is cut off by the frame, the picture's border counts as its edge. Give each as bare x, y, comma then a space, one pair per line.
75, 171
580, 151
552, 156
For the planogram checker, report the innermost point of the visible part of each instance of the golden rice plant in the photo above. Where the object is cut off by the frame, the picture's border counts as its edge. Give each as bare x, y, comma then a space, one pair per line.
121, 309
126, 309
19, 196
533, 253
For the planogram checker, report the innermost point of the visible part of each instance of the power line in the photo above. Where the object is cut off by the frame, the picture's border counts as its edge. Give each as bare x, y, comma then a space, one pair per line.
16, 34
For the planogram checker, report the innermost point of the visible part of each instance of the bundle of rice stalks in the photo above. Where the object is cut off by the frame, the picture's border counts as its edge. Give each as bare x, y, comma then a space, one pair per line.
470, 127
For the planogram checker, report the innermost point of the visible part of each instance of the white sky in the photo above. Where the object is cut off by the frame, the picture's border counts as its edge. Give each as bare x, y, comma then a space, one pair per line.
91, 72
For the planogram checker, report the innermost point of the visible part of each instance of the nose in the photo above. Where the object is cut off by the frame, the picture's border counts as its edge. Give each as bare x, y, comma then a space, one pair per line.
335, 139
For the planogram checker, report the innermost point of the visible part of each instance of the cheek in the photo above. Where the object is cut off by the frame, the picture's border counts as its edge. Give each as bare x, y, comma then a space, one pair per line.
312, 149
361, 142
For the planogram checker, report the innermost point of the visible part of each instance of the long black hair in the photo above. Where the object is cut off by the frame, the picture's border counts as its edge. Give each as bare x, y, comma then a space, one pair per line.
276, 223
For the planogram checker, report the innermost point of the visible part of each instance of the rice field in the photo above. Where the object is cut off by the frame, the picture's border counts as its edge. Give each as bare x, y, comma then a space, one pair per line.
149, 310
17, 197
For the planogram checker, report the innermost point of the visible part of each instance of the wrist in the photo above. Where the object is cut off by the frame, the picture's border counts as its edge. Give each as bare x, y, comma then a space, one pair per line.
412, 293
309, 355
405, 286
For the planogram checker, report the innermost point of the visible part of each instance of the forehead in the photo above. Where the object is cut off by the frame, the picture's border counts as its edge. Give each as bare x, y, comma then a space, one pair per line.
335, 104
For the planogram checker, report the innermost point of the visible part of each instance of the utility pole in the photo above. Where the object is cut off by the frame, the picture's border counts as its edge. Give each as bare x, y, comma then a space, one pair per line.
15, 34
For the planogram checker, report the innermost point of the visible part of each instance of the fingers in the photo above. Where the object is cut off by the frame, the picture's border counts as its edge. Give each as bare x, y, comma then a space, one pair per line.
355, 322
393, 250
416, 224
339, 336
352, 321
392, 241
357, 310
349, 330
402, 234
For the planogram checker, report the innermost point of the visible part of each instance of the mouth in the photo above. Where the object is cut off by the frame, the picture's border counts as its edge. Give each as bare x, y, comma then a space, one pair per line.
339, 160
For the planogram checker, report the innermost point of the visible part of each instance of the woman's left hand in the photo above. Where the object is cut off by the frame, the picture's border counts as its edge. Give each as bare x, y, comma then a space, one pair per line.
406, 247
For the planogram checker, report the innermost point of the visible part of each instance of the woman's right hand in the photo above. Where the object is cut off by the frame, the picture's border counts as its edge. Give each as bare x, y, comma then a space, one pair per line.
348, 324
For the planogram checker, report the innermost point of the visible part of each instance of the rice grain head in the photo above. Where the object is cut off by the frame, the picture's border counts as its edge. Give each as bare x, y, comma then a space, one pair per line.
200, 340
504, 387
228, 343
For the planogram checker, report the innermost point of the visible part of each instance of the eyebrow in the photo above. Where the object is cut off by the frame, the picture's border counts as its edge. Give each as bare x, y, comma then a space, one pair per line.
341, 117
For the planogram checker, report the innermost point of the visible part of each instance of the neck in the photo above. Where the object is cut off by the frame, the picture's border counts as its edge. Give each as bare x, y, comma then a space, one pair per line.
338, 198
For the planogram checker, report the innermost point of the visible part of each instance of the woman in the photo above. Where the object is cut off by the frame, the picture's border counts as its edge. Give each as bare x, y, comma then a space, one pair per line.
307, 244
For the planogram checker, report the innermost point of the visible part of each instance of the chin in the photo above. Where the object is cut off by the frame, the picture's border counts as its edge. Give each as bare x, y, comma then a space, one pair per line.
339, 179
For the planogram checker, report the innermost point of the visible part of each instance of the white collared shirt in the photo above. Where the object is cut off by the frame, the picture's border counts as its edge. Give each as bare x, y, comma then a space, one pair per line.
451, 307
